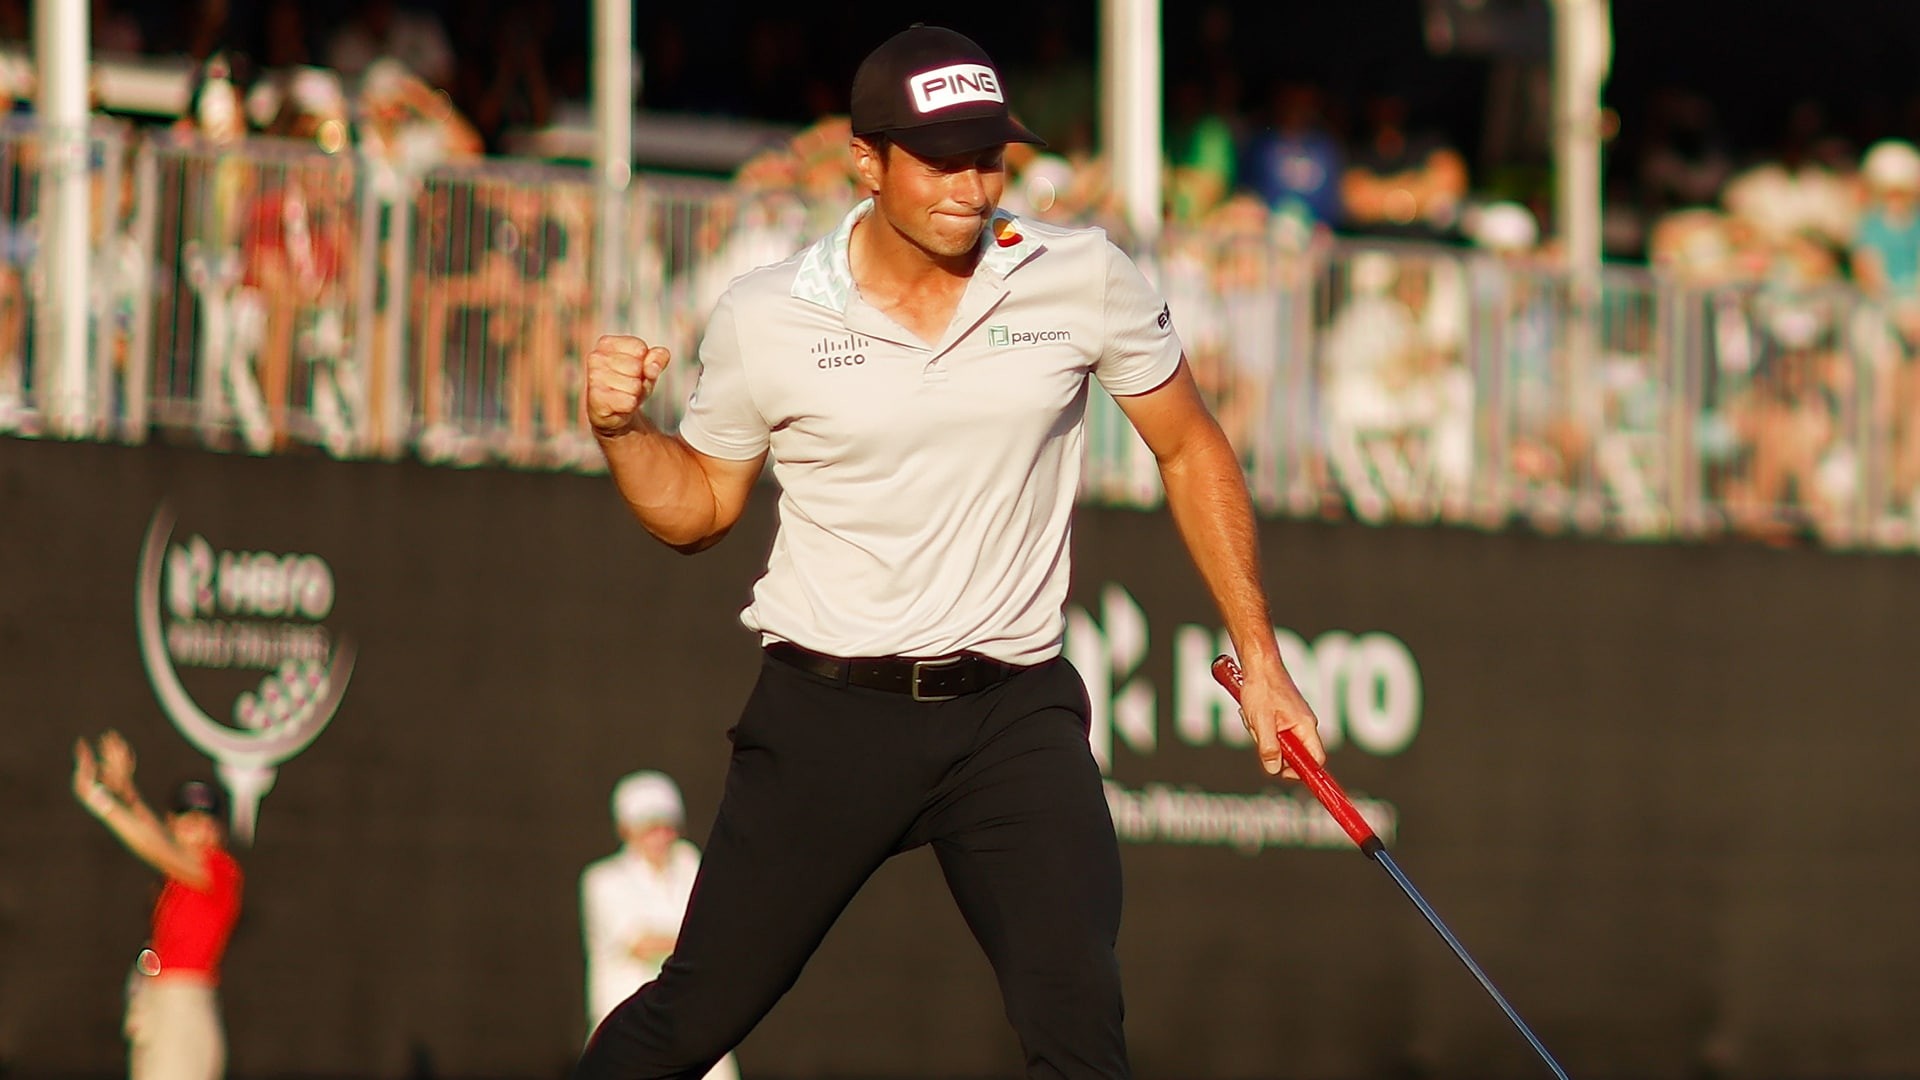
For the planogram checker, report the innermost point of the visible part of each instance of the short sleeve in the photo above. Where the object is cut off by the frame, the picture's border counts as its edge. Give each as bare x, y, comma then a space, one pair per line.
1869, 235
722, 420
223, 876
1140, 350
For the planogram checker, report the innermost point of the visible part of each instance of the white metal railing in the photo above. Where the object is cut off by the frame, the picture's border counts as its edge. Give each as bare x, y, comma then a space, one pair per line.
269, 297
34, 397
257, 261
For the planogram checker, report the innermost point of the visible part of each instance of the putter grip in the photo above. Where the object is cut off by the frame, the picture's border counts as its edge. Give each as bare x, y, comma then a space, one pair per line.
1312, 773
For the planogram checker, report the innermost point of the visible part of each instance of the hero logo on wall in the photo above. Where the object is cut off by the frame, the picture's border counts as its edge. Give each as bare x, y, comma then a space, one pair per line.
1365, 689
247, 630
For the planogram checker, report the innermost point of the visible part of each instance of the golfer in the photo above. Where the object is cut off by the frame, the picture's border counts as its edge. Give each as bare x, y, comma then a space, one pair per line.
919, 379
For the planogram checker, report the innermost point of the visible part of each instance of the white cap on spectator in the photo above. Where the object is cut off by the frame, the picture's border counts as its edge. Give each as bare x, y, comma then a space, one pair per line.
1503, 226
1372, 273
647, 798
318, 91
1892, 164
384, 78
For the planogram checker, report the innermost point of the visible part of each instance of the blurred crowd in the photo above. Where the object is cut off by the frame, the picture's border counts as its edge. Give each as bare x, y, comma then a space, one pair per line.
330, 256
319, 249
503, 64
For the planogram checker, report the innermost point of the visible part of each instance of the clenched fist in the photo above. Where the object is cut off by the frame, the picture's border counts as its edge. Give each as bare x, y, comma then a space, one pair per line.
621, 373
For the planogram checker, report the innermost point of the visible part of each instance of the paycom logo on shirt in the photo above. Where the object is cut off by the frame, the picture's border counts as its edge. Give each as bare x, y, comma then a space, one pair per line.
1000, 337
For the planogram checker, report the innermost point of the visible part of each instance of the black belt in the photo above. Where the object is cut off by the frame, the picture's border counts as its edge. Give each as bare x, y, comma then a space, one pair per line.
940, 678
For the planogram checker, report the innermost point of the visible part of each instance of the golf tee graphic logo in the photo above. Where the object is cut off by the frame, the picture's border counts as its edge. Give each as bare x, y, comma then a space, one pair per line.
226, 615
1364, 688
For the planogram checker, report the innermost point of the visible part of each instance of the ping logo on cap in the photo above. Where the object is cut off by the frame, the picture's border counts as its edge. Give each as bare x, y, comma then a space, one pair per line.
955, 84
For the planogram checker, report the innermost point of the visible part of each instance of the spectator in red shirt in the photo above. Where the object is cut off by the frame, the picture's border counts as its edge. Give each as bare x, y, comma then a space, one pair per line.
173, 1007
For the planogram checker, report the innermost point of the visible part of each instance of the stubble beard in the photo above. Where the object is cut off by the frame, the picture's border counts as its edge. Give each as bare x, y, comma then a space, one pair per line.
950, 245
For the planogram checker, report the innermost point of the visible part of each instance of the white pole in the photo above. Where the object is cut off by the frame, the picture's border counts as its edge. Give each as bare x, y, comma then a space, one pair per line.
60, 331
1130, 114
613, 94
1583, 51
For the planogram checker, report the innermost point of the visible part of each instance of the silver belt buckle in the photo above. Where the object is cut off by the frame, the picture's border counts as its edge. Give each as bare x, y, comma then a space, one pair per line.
921, 665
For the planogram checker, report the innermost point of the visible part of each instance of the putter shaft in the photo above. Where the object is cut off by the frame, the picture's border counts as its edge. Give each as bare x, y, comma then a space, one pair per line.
1433, 919
1326, 789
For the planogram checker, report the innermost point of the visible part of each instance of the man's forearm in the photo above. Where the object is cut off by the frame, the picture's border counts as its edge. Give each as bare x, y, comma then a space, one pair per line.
1207, 495
663, 485
138, 808
143, 834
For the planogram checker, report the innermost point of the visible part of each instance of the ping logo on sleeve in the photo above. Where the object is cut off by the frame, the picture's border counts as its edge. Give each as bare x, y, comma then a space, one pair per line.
955, 84
1166, 317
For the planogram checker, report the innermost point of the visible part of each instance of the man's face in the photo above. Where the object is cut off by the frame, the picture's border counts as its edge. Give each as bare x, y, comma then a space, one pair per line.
940, 205
193, 830
1899, 200
654, 839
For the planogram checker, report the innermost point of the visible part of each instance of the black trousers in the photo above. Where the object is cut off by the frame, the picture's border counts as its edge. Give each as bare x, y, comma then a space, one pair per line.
826, 783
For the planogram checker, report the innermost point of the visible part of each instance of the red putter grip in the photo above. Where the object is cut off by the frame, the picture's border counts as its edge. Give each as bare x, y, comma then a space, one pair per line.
1312, 773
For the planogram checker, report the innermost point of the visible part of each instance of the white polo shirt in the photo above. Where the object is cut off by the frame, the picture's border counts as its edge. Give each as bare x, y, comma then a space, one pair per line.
927, 489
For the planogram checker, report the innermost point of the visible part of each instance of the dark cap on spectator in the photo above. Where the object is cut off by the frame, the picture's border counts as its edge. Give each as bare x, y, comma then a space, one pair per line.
199, 797
935, 92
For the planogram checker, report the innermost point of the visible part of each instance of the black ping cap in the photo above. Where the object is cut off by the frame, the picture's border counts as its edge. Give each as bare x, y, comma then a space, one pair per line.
199, 797
935, 92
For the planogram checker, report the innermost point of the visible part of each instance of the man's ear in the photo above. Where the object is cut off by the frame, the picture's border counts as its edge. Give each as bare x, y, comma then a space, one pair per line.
869, 162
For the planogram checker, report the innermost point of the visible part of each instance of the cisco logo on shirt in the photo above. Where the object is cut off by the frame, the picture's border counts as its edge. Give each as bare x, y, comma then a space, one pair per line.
846, 352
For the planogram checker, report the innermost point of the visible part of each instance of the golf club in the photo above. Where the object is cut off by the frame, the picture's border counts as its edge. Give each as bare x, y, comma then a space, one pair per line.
1328, 791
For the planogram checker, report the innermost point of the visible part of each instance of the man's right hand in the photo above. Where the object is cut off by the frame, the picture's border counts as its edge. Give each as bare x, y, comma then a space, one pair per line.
621, 373
116, 766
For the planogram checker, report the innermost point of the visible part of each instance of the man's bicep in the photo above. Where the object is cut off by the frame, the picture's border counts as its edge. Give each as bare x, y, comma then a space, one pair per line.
1169, 415
721, 418
731, 482
1139, 348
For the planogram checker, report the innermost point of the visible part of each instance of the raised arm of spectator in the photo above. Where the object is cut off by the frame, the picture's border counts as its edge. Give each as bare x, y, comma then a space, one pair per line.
131, 821
436, 107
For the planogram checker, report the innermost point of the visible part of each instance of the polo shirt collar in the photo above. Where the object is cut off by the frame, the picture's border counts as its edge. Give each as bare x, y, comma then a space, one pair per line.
826, 277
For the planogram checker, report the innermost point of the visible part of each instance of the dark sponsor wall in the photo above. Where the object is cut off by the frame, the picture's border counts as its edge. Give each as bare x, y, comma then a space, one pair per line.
1663, 793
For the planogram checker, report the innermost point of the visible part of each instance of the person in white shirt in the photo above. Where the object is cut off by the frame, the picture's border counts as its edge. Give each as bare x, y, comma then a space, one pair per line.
631, 902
